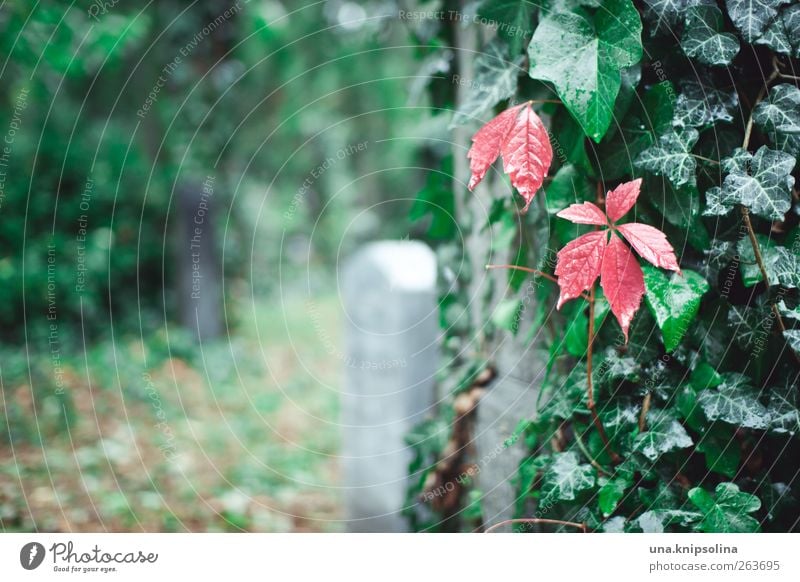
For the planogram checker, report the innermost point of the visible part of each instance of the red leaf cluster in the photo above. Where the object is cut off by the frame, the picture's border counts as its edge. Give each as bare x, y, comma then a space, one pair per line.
519, 135
584, 259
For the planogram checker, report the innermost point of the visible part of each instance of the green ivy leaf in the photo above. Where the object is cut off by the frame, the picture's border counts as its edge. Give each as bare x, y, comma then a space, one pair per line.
673, 301
735, 402
745, 324
775, 37
576, 336
781, 265
566, 396
657, 520
653, 112
752, 17
779, 115
780, 111
565, 478
721, 452
703, 40
621, 424
629, 80
705, 376
612, 492
784, 417
680, 206
512, 18
671, 157
582, 54
495, 80
716, 204
664, 434
726, 510
569, 186
762, 182
664, 14
790, 312
615, 366
702, 106
791, 24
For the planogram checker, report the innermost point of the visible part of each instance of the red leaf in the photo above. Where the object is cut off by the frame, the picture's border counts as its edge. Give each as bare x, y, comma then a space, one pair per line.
527, 154
651, 244
622, 198
487, 143
622, 281
579, 264
586, 213
521, 137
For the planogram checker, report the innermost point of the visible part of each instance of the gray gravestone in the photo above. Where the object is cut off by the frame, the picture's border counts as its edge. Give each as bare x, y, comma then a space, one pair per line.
198, 265
391, 314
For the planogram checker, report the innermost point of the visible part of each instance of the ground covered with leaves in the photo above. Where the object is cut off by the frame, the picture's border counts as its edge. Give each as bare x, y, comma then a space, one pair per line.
229, 436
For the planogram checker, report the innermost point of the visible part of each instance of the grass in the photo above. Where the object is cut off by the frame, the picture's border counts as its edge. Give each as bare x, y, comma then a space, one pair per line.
163, 435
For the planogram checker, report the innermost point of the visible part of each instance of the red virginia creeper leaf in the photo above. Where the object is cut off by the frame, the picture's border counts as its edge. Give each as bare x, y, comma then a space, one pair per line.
521, 137
487, 143
622, 281
651, 244
527, 154
586, 213
622, 198
579, 264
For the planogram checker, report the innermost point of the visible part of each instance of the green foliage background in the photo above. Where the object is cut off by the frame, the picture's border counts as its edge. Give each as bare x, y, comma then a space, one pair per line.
258, 100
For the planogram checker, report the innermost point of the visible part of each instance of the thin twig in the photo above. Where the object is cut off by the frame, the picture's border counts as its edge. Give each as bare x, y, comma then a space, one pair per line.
526, 269
705, 159
579, 441
748, 130
645, 409
580, 526
529, 270
760, 262
790, 77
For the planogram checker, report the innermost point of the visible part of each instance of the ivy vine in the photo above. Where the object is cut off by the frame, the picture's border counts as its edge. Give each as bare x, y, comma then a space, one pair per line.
688, 421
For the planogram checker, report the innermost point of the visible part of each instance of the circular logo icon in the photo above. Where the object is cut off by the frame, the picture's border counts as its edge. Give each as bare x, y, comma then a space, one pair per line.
31, 555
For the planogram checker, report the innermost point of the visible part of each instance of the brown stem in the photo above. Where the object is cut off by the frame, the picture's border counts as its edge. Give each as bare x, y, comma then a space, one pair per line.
761, 265
529, 270
645, 408
705, 159
580, 526
578, 441
590, 386
748, 130
526, 269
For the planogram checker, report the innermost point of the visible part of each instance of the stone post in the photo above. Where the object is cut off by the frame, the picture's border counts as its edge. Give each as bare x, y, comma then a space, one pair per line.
199, 272
391, 314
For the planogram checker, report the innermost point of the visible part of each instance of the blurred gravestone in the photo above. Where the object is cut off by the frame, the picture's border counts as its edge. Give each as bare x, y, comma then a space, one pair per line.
199, 271
392, 355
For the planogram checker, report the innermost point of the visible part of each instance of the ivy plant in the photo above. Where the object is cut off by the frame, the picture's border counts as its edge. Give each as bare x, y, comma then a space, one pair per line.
653, 144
